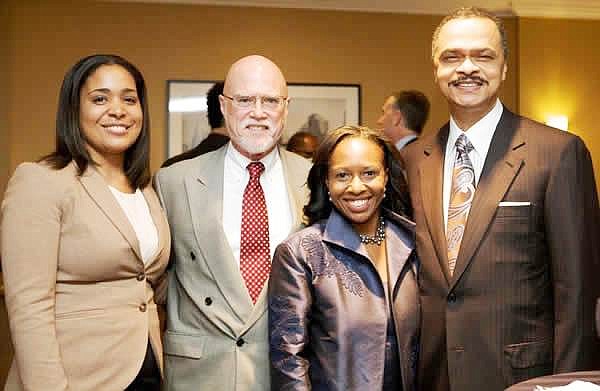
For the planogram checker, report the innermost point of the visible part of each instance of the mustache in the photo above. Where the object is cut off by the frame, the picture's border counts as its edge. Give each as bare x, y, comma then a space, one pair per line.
475, 79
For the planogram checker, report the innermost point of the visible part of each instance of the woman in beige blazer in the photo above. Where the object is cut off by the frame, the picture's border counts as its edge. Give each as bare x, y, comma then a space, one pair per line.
85, 242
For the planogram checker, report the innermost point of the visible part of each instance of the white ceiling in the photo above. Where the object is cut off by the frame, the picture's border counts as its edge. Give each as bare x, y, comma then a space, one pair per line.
576, 9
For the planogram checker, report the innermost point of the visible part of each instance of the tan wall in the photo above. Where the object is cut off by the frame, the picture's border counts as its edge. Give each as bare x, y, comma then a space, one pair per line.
5, 54
382, 52
560, 74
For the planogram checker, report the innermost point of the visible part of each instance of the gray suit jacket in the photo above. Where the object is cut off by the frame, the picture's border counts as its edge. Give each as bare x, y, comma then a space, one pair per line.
520, 303
216, 339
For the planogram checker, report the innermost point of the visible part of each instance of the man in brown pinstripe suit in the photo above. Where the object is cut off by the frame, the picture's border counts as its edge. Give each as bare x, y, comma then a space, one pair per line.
507, 236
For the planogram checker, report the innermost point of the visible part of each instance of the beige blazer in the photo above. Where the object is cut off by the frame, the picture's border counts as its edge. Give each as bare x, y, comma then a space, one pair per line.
216, 339
80, 300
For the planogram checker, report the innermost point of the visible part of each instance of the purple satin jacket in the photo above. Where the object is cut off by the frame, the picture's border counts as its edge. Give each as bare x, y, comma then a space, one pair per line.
328, 313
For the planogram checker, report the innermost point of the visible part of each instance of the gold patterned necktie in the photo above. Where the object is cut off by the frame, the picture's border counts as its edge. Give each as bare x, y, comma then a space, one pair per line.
461, 197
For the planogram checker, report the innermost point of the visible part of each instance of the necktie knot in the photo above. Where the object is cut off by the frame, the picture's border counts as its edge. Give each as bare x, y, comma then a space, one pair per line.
463, 144
255, 169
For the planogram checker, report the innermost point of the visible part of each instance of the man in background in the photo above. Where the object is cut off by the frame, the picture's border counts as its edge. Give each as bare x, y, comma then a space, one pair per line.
507, 222
218, 134
228, 210
403, 116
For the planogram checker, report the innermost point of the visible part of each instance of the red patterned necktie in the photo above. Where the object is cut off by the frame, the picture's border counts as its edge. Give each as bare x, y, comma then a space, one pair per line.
255, 264
461, 196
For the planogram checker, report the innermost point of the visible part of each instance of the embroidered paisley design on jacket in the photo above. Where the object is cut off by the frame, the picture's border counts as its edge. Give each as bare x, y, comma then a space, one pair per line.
323, 264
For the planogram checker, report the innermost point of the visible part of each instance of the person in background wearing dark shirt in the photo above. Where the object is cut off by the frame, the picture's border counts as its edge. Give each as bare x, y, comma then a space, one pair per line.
403, 116
218, 135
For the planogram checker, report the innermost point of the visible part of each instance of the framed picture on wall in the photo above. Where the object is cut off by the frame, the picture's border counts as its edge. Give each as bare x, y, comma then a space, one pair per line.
313, 107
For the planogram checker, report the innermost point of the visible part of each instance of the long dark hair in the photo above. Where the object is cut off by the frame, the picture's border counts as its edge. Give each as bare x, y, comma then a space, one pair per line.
319, 206
70, 144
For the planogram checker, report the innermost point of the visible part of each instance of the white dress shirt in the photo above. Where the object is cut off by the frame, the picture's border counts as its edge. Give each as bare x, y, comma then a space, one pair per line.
480, 135
274, 185
136, 209
405, 140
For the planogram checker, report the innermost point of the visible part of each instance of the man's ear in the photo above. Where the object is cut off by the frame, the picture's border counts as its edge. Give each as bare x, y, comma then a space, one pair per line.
222, 106
398, 118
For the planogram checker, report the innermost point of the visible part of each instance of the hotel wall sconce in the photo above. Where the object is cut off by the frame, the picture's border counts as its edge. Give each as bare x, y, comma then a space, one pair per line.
558, 121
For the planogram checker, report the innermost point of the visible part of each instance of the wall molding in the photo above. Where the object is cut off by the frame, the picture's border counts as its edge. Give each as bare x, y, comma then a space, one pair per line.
571, 9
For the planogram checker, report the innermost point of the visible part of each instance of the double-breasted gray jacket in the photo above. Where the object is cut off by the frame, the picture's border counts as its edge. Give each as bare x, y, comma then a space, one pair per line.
216, 339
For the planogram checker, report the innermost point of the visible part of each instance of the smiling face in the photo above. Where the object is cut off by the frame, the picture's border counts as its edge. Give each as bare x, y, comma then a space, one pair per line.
110, 114
254, 131
469, 64
356, 181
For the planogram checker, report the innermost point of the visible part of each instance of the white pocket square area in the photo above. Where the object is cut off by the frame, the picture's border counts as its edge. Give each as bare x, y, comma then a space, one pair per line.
515, 203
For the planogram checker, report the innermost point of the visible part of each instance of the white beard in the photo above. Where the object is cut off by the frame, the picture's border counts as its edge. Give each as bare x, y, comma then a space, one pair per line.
256, 146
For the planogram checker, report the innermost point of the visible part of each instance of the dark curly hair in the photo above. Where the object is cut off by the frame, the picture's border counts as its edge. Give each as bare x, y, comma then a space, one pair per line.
319, 206
213, 113
70, 143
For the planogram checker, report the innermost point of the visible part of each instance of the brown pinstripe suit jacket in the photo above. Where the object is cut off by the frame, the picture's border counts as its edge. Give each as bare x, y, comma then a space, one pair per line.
520, 303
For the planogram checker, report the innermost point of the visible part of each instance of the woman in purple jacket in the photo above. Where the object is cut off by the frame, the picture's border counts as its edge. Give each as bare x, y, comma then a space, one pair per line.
343, 298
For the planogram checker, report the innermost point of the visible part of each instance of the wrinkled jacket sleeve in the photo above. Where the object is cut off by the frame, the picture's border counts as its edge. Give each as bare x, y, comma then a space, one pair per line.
160, 287
30, 226
290, 300
573, 228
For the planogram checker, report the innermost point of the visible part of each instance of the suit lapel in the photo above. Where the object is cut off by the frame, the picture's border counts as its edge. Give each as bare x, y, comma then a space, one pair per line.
400, 245
159, 221
204, 188
339, 232
502, 164
296, 187
98, 190
431, 174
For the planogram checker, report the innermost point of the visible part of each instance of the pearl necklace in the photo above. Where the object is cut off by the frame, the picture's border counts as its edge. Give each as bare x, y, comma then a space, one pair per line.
379, 236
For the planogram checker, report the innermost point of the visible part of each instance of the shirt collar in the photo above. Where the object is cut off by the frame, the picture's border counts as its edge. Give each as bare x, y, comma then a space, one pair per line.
482, 131
242, 161
405, 140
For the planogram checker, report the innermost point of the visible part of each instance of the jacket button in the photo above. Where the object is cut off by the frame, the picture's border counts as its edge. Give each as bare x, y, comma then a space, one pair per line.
142, 307
240, 342
141, 276
452, 298
208, 301
192, 255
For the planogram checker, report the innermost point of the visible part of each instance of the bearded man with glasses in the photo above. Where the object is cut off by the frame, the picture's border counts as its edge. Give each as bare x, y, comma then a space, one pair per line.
228, 210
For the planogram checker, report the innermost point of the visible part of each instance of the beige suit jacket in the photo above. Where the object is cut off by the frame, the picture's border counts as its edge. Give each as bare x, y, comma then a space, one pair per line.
80, 300
216, 339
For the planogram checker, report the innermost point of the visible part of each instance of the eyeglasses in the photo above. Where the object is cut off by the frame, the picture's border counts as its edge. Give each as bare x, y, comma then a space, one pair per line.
270, 103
